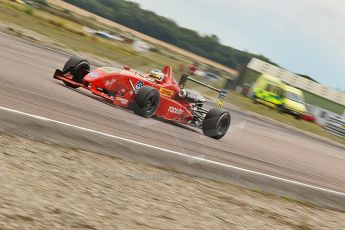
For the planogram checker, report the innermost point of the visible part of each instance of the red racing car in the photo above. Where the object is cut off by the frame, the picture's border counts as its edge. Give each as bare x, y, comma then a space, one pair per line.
154, 94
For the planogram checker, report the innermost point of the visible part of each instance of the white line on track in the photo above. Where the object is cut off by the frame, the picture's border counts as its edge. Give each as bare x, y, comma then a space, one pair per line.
174, 152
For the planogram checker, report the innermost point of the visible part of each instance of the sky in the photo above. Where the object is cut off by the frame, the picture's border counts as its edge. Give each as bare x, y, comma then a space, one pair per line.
303, 36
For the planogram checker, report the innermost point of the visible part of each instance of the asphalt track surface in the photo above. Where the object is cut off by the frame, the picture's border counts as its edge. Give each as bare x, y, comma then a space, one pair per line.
26, 84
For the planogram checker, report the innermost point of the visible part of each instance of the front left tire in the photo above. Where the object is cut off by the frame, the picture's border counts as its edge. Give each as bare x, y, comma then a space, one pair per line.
146, 101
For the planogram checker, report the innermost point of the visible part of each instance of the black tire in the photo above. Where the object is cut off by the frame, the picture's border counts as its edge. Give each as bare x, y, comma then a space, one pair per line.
255, 100
281, 109
216, 123
81, 68
146, 101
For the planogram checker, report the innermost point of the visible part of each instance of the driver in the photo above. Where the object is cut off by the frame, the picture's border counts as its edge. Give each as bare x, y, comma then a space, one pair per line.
156, 75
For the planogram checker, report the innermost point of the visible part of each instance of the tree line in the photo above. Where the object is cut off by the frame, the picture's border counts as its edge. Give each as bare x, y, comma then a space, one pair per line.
131, 15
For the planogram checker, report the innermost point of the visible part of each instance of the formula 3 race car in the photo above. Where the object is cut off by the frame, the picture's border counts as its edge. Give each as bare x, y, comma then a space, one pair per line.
147, 96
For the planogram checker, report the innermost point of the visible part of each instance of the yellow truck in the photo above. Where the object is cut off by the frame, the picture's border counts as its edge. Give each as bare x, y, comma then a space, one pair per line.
268, 90
293, 102
272, 92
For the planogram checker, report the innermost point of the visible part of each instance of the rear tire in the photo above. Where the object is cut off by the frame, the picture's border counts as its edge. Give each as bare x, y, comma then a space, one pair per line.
81, 68
216, 123
146, 101
281, 109
255, 100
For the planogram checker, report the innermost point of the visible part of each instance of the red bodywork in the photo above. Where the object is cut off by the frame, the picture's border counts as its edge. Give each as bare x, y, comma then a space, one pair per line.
122, 84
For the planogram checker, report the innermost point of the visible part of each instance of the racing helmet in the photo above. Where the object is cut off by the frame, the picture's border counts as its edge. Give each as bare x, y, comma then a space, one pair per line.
156, 75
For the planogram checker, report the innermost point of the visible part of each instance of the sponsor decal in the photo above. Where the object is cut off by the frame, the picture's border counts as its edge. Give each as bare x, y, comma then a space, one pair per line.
139, 85
166, 92
122, 100
93, 75
108, 83
221, 97
223, 94
219, 103
174, 110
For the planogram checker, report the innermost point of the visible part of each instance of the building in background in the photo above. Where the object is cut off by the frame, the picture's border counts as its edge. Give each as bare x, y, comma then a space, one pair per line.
322, 101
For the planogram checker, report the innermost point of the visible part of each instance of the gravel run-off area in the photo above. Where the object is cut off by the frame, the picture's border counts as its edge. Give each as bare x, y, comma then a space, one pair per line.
44, 186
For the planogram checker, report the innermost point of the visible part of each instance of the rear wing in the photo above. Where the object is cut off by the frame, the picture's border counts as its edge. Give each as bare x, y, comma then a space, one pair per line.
222, 92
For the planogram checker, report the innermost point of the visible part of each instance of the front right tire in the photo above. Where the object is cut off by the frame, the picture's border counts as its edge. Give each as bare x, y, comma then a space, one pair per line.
81, 68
